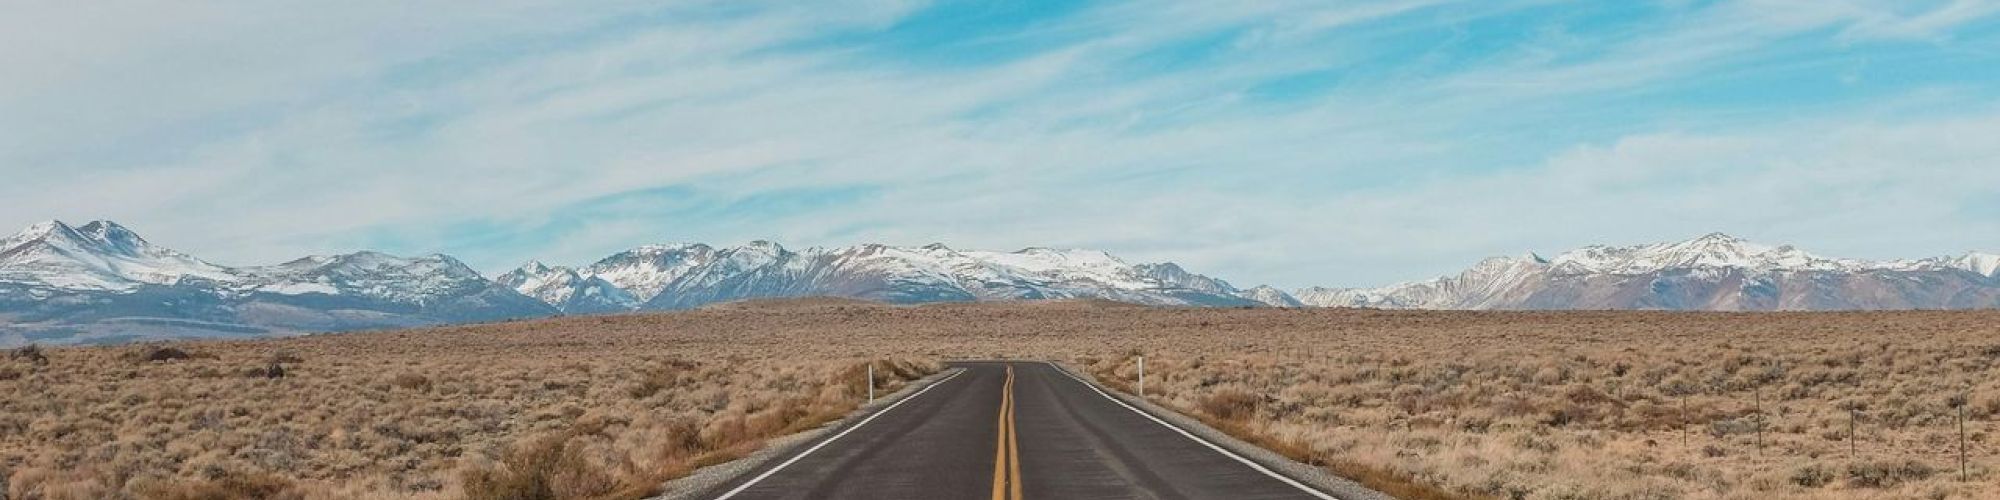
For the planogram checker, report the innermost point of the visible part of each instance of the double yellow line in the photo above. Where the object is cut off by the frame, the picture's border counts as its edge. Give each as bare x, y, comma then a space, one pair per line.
1007, 452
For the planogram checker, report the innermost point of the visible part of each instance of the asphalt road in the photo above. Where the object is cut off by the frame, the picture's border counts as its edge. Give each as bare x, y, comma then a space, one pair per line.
1019, 430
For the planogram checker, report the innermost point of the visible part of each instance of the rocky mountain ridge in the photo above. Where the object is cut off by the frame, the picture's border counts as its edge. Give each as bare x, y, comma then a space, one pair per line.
1713, 272
102, 282
681, 276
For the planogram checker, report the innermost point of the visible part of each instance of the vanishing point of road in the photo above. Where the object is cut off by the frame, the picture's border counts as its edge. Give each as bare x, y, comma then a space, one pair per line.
1010, 431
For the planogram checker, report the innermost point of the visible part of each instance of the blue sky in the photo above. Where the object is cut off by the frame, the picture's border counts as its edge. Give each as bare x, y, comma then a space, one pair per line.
1287, 142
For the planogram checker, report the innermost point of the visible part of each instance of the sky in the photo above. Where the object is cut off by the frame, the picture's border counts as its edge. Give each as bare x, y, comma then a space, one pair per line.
1294, 143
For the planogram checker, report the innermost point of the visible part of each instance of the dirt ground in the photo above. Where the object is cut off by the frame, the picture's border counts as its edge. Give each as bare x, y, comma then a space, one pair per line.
1422, 404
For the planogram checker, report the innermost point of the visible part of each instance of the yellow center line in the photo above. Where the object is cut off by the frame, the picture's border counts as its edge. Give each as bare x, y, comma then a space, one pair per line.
1013, 437
1000, 443
1007, 449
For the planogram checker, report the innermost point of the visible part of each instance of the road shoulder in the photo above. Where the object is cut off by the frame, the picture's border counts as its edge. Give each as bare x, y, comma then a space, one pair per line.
1316, 477
694, 486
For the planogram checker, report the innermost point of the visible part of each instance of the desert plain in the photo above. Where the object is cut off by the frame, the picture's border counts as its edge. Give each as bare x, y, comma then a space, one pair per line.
1419, 404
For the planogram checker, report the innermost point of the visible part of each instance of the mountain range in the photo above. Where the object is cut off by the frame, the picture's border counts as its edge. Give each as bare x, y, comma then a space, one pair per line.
1716, 272
102, 283
682, 276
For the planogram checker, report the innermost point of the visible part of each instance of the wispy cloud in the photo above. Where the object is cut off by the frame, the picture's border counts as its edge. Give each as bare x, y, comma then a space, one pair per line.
1289, 142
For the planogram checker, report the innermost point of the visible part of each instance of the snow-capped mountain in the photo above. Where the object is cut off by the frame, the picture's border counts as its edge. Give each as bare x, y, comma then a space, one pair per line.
98, 256
1983, 264
1487, 285
666, 277
1714, 251
1272, 296
101, 282
568, 291
362, 274
643, 272
1713, 272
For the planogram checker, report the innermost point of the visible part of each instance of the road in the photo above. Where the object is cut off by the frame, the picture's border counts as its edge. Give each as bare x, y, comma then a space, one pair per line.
1013, 431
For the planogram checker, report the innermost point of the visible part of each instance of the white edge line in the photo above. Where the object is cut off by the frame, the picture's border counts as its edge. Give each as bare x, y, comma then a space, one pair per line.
1218, 449
816, 447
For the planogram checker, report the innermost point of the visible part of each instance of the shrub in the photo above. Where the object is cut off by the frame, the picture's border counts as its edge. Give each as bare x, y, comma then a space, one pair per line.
1885, 474
31, 353
1231, 404
547, 468
231, 485
155, 353
273, 371
1812, 476
659, 376
411, 381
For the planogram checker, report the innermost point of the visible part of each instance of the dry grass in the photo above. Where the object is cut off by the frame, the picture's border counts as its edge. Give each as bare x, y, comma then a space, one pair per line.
520, 411
1589, 405
1421, 404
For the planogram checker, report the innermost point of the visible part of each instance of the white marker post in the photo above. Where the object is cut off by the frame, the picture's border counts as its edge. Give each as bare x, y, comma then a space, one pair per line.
1142, 377
871, 381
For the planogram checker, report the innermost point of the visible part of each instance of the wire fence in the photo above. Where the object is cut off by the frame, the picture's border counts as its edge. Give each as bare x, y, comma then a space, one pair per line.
1895, 438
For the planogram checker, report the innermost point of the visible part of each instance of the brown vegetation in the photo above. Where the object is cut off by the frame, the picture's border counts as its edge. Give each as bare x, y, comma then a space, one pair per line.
1590, 405
522, 411
1419, 404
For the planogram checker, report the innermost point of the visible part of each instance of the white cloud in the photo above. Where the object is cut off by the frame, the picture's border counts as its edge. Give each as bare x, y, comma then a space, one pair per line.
281, 129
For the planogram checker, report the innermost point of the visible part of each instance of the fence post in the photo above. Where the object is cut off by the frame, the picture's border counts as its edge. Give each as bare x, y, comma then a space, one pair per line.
871, 381
1961, 444
1684, 420
1757, 400
1850, 434
1142, 377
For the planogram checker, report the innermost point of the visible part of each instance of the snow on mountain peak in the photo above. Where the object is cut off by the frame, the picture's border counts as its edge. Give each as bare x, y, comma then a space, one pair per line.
553, 285
1719, 237
647, 270
105, 227
1052, 259
40, 229
661, 248
99, 256
1699, 273
1982, 263
416, 280
1272, 296
691, 275
535, 266
1722, 251
1712, 251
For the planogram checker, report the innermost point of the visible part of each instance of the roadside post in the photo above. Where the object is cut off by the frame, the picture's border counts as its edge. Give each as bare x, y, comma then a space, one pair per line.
1142, 377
